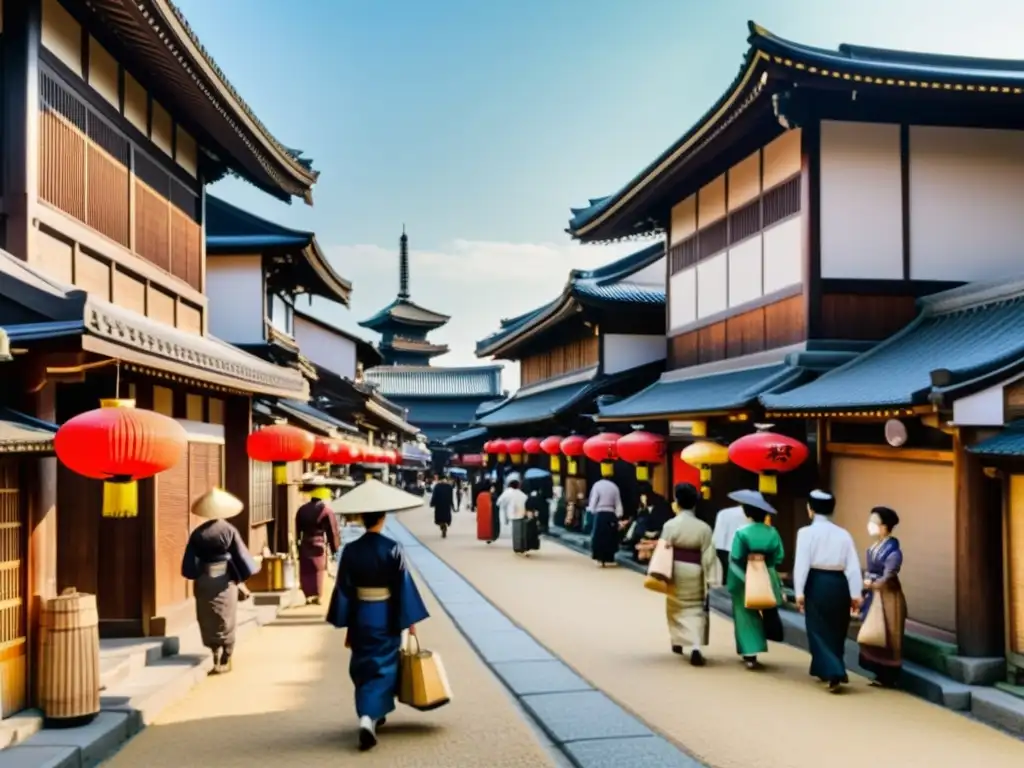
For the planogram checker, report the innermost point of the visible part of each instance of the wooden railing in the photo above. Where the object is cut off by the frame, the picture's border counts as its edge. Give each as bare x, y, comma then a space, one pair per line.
85, 170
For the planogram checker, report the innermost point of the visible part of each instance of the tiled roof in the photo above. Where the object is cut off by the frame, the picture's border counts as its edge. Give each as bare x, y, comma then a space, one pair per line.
231, 230
702, 394
425, 381
453, 412
20, 433
608, 284
312, 417
545, 404
402, 311
401, 344
627, 212
1009, 442
473, 434
964, 335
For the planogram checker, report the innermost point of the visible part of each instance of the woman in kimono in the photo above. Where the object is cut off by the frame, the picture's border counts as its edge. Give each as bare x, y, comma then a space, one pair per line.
754, 628
653, 513
218, 562
488, 522
882, 582
686, 607
316, 525
375, 600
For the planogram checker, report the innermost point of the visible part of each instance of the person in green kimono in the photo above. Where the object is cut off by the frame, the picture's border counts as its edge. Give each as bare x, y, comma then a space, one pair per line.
754, 628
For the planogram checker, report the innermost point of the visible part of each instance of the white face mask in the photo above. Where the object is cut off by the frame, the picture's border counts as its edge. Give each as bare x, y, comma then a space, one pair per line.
874, 529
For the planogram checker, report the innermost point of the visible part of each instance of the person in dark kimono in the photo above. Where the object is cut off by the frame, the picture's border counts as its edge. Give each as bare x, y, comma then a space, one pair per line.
375, 599
882, 582
316, 526
218, 562
827, 581
605, 507
442, 500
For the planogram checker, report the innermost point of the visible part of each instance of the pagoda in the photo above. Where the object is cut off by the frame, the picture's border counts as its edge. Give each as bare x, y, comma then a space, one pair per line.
404, 324
441, 401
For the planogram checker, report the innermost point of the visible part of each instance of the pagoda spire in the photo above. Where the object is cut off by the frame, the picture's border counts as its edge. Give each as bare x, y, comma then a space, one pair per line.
403, 265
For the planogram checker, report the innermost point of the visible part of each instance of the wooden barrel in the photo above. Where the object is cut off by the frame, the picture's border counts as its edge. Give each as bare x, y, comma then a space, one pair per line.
270, 577
70, 660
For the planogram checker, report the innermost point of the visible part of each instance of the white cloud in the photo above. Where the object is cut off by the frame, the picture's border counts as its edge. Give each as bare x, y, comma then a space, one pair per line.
478, 283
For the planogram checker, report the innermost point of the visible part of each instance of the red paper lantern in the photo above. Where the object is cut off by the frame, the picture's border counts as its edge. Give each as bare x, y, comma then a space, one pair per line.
120, 444
514, 446
325, 450
768, 454
498, 448
573, 446
394, 458
349, 453
643, 449
552, 446
602, 448
279, 444
487, 447
531, 445
371, 454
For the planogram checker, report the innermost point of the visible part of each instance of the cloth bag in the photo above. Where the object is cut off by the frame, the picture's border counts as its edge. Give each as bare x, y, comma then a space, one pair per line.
759, 594
662, 562
872, 631
423, 682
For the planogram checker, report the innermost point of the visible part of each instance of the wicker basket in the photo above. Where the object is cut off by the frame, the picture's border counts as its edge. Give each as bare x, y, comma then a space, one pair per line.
69, 688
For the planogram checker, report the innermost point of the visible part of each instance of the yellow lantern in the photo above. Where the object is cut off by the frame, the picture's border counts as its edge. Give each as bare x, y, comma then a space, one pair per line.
704, 454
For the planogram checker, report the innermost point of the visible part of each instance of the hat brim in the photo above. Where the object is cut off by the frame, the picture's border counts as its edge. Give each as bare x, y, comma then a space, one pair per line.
753, 499
217, 504
372, 496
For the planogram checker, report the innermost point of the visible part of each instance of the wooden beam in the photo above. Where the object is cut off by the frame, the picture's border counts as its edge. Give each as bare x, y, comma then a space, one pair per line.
148, 534
237, 467
979, 549
890, 453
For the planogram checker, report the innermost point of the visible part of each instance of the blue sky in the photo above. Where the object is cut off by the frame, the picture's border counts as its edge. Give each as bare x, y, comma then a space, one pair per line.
477, 123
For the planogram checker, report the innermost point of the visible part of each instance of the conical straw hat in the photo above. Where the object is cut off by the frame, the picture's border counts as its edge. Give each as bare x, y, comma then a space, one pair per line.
217, 504
374, 496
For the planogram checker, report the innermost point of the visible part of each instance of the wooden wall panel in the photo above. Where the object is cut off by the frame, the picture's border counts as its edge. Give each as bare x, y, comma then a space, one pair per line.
92, 275
862, 317
560, 360
172, 530
129, 292
769, 327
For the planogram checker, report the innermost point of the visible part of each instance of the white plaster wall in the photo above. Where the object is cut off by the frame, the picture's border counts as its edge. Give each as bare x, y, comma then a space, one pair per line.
624, 351
861, 201
713, 285
234, 285
683, 297
966, 219
330, 350
783, 255
745, 271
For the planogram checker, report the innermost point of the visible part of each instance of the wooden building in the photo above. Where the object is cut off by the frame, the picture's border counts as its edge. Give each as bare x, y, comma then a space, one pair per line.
114, 120
440, 401
805, 214
255, 273
603, 336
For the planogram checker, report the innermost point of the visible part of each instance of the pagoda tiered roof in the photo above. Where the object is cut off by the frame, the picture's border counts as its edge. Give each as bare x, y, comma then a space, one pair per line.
405, 312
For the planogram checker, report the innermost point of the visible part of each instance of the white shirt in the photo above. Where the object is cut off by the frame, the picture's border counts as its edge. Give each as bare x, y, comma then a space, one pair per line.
826, 546
512, 504
727, 522
605, 497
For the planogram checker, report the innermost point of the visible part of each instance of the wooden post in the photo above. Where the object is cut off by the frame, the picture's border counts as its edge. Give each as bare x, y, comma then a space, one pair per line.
42, 534
148, 533
979, 560
237, 467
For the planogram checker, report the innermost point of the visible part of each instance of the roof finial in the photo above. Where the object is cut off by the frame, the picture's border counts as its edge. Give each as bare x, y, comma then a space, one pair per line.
403, 265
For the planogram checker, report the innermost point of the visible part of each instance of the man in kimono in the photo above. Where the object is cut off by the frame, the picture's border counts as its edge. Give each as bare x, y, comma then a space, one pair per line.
727, 522
442, 500
827, 581
375, 600
217, 561
686, 607
316, 526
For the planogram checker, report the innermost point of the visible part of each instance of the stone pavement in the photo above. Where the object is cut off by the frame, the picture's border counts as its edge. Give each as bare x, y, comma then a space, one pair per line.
612, 633
289, 698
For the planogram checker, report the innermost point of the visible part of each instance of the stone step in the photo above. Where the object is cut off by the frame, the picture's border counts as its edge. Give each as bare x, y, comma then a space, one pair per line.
120, 659
991, 705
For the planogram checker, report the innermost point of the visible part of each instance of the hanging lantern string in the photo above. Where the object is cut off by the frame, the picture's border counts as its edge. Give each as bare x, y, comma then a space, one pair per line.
117, 380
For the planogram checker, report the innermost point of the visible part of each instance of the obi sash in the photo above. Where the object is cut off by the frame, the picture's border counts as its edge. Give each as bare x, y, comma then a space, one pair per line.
373, 594
691, 556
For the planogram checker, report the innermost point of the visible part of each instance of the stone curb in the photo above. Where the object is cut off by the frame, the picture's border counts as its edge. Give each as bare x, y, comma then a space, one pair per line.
584, 724
122, 717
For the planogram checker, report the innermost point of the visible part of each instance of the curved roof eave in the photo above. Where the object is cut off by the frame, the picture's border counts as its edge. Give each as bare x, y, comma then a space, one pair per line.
576, 292
338, 287
300, 170
586, 220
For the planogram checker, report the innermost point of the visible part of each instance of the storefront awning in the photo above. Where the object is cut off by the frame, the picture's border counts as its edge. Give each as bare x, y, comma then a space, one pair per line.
20, 433
1008, 443
711, 393
532, 405
314, 419
962, 340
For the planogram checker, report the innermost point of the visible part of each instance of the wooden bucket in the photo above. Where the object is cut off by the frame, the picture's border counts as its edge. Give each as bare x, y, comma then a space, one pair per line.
70, 661
270, 577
